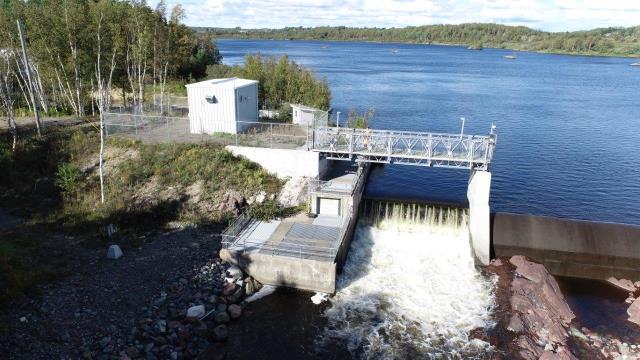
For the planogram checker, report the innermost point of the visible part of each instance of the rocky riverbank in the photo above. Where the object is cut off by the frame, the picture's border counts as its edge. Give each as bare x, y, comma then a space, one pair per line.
534, 320
168, 299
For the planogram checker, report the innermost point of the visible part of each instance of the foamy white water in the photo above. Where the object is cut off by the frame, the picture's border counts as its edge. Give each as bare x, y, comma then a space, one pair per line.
264, 291
410, 289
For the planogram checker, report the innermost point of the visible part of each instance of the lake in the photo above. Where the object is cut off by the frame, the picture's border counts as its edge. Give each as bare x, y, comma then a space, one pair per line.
568, 138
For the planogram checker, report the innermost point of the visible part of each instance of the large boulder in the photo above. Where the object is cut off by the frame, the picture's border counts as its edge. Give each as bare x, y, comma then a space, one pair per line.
234, 311
114, 252
196, 312
540, 313
222, 317
220, 333
233, 202
623, 284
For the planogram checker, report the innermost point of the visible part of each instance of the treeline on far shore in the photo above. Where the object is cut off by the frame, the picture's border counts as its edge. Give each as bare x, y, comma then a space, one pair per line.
615, 41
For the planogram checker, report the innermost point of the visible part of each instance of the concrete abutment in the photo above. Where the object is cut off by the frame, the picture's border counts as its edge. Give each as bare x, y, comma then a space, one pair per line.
479, 215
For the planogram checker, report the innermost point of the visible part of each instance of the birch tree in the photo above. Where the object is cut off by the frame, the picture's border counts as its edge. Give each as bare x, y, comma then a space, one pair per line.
7, 95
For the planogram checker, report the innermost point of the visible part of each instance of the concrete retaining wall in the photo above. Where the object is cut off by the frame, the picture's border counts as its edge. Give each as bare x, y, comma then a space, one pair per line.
284, 162
302, 274
570, 247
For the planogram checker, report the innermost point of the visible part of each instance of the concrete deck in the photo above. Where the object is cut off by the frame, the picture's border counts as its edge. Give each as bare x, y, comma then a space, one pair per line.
302, 251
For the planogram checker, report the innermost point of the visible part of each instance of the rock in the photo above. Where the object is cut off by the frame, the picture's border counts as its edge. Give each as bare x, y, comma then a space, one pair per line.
540, 313
634, 312
132, 352
222, 317
104, 341
294, 192
261, 197
220, 333
114, 252
235, 297
196, 312
233, 202
200, 328
234, 311
234, 272
229, 289
221, 307
23, 319
248, 287
496, 262
623, 284
256, 285
161, 326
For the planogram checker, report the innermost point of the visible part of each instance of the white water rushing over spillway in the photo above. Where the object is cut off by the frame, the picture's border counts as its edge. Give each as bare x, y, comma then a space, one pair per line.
409, 288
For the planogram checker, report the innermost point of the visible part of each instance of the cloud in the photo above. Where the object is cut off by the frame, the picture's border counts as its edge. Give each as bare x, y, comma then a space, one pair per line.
552, 15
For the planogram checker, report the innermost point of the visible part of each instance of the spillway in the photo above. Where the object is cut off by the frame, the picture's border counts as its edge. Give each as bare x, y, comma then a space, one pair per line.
409, 288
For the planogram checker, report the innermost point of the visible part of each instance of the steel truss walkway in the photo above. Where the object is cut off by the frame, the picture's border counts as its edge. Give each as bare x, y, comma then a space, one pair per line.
409, 148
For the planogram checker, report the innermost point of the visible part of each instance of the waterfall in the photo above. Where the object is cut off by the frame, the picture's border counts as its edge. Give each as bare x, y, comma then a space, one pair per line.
409, 288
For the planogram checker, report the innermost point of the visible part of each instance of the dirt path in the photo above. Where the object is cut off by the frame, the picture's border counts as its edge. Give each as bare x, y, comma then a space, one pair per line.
28, 123
97, 311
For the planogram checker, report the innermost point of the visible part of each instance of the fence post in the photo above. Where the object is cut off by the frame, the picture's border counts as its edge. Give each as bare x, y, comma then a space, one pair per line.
271, 135
166, 122
135, 124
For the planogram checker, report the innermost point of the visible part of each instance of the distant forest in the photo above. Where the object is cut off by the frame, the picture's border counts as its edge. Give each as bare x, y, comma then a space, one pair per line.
603, 41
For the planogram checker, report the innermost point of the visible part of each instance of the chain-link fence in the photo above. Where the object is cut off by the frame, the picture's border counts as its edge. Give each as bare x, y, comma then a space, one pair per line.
164, 129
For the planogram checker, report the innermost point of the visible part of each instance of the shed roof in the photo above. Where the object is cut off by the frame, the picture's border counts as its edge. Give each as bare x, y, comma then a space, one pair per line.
225, 82
304, 107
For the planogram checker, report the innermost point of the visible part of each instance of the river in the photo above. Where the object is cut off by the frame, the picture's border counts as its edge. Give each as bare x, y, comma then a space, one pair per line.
567, 147
567, 125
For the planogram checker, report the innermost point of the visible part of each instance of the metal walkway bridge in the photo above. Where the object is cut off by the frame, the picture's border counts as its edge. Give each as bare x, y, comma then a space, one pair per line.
408, 148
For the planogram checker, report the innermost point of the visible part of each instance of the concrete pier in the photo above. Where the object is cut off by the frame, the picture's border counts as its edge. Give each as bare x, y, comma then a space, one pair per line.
479, 215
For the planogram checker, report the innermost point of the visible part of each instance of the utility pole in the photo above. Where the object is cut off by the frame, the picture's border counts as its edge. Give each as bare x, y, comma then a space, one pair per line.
28, 71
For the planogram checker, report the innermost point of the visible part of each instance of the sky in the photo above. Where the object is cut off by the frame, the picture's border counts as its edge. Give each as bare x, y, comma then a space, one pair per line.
548, 15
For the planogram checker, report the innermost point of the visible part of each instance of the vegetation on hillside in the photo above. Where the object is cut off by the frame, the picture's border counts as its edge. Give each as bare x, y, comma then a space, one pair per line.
281, 81
52, 183
603, 41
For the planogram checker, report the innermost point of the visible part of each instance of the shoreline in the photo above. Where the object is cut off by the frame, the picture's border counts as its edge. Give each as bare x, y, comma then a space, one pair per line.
612, 55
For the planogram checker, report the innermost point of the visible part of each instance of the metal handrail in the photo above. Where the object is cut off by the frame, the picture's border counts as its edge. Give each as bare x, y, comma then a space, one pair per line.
413, 148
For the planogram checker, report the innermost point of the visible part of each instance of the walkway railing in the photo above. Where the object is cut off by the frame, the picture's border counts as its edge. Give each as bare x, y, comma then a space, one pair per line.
403, 147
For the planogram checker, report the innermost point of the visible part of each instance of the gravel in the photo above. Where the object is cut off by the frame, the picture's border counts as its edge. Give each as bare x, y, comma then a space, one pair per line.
131, 308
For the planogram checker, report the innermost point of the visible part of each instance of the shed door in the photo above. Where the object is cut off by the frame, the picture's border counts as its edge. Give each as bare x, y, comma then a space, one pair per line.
329, 206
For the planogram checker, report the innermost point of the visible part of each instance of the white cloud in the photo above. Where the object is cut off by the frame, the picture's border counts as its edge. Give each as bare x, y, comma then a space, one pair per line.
553, 15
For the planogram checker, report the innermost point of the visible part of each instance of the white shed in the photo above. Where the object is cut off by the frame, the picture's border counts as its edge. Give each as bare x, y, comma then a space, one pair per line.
306, 115
222, 105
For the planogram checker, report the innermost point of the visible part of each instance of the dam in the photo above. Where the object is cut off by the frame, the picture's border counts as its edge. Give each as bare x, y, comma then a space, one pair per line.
307, 251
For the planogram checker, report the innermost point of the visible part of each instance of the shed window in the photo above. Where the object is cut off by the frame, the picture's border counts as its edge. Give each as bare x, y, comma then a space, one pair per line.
211, 99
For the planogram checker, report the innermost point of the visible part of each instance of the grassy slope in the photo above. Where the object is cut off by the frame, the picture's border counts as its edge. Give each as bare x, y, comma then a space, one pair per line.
146, 186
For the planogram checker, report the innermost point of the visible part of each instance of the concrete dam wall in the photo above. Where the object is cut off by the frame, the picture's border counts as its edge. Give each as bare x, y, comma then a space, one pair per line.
575, 248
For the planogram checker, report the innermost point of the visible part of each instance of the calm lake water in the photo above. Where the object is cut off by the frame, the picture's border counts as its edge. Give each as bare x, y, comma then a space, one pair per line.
568, 126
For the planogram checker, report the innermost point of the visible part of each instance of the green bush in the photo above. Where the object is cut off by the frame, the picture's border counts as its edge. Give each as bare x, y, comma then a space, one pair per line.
266, 211
360, 121
68, 177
